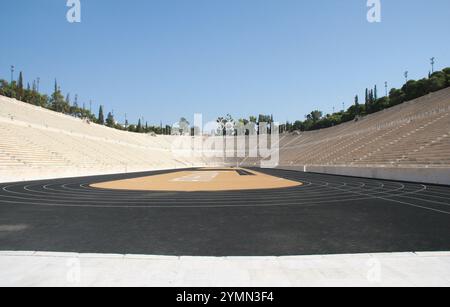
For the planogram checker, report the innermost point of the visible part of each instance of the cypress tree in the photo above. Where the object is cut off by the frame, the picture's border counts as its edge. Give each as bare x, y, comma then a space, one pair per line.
139, 126
367, 97
20, 87
101, 117
20, 81
110, 120
57, 101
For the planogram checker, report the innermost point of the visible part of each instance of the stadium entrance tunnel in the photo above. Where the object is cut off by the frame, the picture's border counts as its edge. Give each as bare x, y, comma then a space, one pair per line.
201, 180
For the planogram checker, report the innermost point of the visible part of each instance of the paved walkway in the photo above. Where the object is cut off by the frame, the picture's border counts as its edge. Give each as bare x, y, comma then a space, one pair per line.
65, 269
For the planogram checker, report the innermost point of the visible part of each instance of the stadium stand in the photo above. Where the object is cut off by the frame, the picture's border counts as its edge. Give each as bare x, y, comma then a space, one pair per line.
38, 144
412, 134
409, 142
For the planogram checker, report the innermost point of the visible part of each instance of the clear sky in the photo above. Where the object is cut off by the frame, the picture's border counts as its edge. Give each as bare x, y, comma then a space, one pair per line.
163, 59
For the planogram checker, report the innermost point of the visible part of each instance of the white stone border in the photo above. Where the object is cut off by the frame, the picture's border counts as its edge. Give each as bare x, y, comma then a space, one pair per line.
73, 270
430, 175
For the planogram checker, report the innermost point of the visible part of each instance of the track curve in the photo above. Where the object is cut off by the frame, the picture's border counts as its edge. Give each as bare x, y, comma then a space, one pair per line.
327, 215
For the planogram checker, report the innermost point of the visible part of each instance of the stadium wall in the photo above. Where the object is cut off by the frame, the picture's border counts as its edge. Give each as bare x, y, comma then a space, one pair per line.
419, 175
13, 176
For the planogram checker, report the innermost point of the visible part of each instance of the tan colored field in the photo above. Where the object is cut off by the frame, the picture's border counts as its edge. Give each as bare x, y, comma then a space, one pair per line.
200, 180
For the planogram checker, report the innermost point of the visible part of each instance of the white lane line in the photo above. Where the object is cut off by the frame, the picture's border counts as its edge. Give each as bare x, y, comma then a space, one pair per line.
262, 205
427, 200
302, 205
417, 206
430, 193
293, 195
405, 203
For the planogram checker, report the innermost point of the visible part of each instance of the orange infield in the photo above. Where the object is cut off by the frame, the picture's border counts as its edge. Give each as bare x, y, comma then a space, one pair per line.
201, 180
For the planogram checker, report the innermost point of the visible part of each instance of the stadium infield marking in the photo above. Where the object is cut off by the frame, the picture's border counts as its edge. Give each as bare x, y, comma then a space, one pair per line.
201, 181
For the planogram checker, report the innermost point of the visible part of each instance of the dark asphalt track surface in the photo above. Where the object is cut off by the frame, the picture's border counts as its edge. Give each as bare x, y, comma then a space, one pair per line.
328, 215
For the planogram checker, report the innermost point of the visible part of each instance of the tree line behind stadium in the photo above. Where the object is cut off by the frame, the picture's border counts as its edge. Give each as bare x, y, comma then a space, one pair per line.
372, 103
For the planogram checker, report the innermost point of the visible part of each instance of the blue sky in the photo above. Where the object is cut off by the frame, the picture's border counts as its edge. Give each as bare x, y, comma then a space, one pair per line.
170, 58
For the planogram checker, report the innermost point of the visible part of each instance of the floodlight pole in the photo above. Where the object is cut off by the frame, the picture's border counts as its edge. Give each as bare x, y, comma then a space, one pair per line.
406, 76
12, 73
386, 87
432, 64
38, 82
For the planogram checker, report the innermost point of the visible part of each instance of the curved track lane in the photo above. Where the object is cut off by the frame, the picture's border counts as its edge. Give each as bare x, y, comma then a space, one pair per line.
327, 215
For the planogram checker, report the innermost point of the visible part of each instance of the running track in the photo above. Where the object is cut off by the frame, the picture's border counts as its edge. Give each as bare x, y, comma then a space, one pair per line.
328, 215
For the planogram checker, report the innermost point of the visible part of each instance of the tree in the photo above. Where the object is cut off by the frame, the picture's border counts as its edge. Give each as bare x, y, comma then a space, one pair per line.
110, 122
168, 130
396, 97
356, 109
101, 117
183, 126
264, 118
414, 89
370, 101
20, 81
297, 126
380, 104
316, 115
57, 101
437, 81
20, 92
367, 97
447, 74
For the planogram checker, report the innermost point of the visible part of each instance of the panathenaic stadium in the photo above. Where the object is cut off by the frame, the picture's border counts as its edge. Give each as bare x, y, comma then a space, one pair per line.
336, 205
